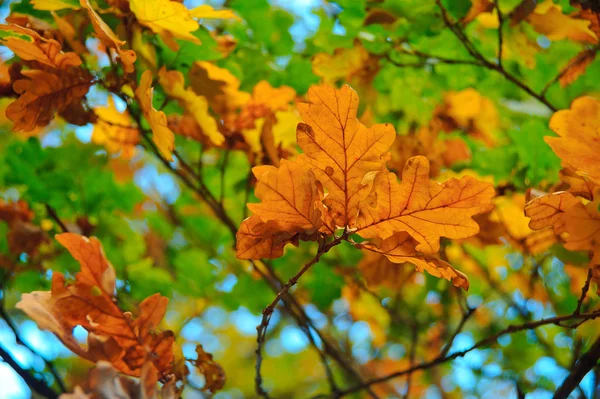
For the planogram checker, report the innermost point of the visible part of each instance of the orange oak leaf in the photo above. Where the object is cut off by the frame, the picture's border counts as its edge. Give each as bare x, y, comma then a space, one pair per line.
30, 46
89, 302
256, 239
579, 186
576, 67
108, 37
291, 205
161, 134
43, 94
578, 128
378, 270
425, 209
400, 248
344, 154
548, 19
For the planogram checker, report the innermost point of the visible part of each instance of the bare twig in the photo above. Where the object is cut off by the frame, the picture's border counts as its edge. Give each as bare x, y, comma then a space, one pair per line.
466, 316
52, 213
476, 55
500, 33
268, 311
485, 341
35, 384
585, 363
584, 292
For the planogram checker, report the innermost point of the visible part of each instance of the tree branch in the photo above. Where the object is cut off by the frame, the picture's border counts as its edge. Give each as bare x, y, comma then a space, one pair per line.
485, 341
585, 363
35, 384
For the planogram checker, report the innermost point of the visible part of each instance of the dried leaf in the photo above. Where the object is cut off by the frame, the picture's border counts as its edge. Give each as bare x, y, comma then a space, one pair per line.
576, 67
161, 134
291, 204
43, 94
401, 248
423, 208
578, 144
213, 373
344, 155
89, 302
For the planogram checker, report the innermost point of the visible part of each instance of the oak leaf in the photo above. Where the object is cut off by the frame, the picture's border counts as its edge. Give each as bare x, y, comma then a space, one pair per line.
344, 154
206, 11
214, 374
162, 136
291, 205
548, 19
218, 85
170, 19
401, 248
108, 37
576, 67
115, 130
43, 94
30, 46
89, 302
578, 128
425, 209
195, 105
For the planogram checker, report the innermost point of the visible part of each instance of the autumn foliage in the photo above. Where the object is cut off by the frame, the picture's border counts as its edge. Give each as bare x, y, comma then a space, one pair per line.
434, 166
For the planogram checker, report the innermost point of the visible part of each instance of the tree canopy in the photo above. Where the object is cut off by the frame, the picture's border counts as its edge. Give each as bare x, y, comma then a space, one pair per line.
299, 199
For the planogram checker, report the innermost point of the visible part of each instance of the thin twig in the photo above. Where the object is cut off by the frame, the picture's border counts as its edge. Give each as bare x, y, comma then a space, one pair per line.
500, 33
267, 312
52, 213
485, 341
584, 292
466, 316
35, 384
472, 50
585, 363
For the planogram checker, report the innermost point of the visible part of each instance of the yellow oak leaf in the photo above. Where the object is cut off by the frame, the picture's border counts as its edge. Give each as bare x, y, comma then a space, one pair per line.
43, 94
54, 5
401, 248
274, 98
115, 130
425, 209
577, 223
218, 85
109, 38
208, 12
344, 154
161, 134
472, 112
548, 19
197, 106
167, 18
30, 46
578, 144
343, 64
